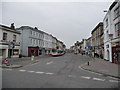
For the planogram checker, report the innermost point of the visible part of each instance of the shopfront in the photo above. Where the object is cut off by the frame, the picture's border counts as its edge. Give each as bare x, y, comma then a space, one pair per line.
116, 52
33, 51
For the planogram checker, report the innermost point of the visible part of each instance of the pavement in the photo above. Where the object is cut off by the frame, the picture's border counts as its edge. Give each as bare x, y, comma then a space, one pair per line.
16, 62
103, 67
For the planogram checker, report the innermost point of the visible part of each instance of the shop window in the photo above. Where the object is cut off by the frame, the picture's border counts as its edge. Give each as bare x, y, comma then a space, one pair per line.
15, 52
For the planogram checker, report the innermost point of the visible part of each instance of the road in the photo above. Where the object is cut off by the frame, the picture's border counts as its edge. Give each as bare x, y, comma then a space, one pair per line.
56, 72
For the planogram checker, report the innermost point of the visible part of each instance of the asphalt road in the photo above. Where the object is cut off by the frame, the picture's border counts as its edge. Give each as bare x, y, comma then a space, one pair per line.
56, 72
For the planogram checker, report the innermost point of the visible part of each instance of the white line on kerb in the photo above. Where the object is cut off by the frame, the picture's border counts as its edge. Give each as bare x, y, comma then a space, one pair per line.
85, 77
31, 71
22, 70
113, 81
40, 72
49, 63
98, 79
49, 73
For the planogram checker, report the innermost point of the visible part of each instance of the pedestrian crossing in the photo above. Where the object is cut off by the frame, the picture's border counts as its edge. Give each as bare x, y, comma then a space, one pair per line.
94, 78
37, 72
112, 80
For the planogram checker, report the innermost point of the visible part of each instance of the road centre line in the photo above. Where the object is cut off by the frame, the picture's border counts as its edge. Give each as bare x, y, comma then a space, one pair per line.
85, 77
49, 62
31, 71
98, 79
40, 72
49, 73
22, 70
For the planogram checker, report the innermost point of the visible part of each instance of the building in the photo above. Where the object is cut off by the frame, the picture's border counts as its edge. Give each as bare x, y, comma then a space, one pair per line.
9, 41
32, 41
54, 44
47, 43
97, 39
89, 47
112, 33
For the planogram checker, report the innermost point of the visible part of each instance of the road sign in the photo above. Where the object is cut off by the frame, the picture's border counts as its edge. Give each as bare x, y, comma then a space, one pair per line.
11, 45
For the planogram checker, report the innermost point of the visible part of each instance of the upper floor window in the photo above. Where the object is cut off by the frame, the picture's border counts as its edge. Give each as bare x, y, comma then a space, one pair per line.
14, 38
34, 33
106, 22
4, 36
31, 32
117, 28
116, 12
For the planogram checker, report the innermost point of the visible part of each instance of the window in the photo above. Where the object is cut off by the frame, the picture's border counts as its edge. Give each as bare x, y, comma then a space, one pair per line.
36, 42
34, 33
116, 12
14, 38
31, 41
5, 36
106, 22
31, 32
117, 28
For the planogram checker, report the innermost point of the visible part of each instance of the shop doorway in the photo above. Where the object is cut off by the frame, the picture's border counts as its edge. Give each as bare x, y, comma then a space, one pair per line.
108, 55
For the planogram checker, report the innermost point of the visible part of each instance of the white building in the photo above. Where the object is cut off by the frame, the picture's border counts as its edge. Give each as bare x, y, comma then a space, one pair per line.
112, 33
47, 43
32, 41
9, 41
54, 43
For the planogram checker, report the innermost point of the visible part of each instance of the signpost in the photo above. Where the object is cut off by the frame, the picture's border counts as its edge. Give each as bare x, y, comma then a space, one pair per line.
11, 46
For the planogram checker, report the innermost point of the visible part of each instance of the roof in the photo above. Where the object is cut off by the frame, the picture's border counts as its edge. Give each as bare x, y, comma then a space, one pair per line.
28, 27
100, 24
8, 29
113, 4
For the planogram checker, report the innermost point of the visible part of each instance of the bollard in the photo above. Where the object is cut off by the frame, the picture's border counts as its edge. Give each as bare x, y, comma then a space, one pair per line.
88, 63
32, 58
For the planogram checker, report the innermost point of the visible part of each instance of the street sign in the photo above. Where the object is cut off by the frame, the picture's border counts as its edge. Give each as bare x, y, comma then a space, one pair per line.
11, 45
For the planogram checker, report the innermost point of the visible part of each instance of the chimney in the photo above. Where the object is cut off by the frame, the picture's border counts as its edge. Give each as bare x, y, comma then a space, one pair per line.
12, 26
36, 28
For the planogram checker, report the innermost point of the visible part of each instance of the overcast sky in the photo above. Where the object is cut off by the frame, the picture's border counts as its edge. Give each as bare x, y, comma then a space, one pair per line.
68, 21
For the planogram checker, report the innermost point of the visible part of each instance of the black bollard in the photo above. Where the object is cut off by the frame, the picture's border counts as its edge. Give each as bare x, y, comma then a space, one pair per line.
88, 64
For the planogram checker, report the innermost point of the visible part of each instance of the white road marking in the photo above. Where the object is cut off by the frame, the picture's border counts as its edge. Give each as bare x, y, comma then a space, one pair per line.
85, 77
98, 79
22, 70
49, 62
31, 71
40, 72
71, 76
113, 81
49, 73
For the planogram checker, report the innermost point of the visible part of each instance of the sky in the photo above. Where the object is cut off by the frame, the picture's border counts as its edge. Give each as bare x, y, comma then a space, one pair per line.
68, 21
